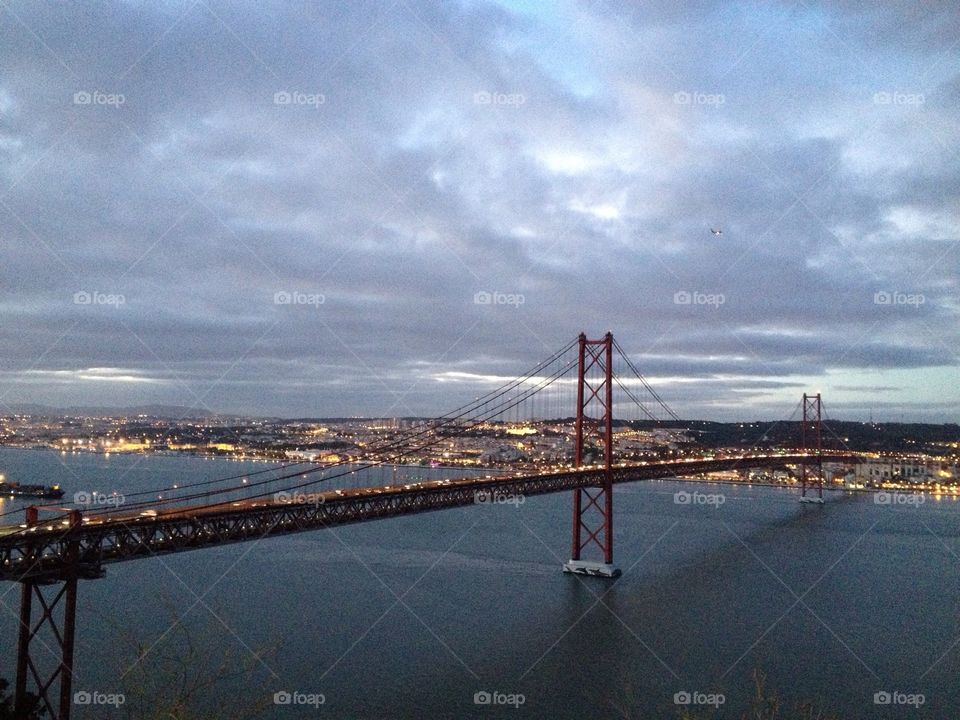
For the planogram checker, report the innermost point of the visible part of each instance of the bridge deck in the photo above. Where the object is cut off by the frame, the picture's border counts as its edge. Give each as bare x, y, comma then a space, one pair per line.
42, 552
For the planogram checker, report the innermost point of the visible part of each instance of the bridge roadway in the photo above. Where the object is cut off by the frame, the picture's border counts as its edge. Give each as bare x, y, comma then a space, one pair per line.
51, 550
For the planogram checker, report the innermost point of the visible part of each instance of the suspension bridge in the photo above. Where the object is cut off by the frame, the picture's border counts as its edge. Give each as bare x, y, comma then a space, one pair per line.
48, 556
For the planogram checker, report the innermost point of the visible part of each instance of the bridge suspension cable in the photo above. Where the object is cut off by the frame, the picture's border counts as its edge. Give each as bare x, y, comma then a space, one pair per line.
432, 426
396, 453
653, 393
825, 425
398, 447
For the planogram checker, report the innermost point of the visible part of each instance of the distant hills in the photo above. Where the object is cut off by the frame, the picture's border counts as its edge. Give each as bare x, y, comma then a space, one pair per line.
837, 434
160, 411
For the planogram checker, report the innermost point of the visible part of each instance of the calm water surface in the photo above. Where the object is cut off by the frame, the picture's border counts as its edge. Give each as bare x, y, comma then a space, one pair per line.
411, 617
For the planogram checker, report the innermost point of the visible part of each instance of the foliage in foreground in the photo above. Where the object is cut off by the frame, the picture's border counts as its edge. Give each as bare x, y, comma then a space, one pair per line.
6, 705
766, 705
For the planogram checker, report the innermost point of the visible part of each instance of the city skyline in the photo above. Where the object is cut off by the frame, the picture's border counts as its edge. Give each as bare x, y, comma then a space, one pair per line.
384, 210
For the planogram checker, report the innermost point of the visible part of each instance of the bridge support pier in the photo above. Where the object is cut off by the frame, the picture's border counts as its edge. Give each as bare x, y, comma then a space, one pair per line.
593, 506
45, 643
57, 702
810, 435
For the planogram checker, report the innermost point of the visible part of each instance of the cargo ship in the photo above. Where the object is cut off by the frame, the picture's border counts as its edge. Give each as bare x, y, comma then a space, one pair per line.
15, 489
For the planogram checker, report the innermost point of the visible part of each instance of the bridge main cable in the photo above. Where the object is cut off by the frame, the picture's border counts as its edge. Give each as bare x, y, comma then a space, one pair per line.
498, 410
643, 380
449, 419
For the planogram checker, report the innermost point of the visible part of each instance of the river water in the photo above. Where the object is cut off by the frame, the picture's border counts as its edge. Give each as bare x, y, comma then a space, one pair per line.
422, 616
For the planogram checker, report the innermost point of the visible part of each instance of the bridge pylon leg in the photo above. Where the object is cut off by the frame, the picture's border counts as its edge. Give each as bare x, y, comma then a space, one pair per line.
593, 506
811, 439
45, 643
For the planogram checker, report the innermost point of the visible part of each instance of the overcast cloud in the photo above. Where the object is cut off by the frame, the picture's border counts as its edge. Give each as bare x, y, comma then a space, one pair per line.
383, 162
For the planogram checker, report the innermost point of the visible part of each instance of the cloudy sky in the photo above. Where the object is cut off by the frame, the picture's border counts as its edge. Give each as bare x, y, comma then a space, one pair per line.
291, 208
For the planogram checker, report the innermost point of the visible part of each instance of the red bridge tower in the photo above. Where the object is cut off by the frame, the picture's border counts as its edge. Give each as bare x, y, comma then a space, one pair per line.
811, 439
593, 506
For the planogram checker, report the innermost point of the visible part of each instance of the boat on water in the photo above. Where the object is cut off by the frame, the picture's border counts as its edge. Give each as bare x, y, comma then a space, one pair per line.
15, 489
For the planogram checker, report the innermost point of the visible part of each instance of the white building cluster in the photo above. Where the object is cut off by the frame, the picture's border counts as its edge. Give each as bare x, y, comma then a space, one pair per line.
877, 471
